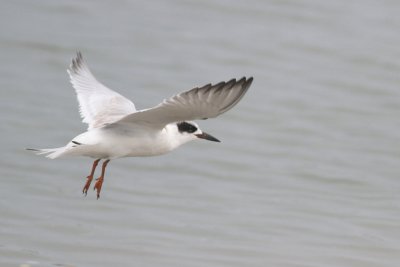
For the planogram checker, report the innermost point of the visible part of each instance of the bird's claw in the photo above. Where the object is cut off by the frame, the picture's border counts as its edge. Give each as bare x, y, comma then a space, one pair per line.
87, 185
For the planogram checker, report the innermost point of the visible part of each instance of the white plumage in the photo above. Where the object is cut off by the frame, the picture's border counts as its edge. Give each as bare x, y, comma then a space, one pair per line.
98, 105
116, 129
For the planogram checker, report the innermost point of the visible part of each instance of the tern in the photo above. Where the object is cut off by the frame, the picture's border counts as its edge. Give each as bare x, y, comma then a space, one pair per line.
116, 129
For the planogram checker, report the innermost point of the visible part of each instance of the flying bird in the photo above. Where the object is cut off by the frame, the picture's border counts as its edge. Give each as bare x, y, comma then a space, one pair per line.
116, 129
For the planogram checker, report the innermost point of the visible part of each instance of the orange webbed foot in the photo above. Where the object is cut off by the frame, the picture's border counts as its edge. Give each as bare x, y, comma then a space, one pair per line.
89, 178
97, 186
99, 181
87, 185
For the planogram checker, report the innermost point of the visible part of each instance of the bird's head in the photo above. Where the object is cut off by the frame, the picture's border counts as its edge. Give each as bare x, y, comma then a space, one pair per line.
191, 131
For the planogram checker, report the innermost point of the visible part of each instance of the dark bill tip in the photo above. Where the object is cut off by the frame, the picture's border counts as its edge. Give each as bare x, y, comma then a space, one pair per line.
208, 137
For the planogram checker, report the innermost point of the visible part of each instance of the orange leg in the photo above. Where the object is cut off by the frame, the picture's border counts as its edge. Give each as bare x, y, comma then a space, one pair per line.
90, 177
99, 181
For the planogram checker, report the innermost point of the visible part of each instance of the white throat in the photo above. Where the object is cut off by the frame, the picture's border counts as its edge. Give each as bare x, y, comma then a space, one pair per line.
176, 138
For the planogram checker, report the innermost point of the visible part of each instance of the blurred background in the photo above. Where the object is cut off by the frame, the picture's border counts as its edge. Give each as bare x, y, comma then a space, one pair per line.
307, 173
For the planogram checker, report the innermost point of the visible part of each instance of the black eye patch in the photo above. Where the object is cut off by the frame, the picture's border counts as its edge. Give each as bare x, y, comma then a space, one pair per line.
186, 127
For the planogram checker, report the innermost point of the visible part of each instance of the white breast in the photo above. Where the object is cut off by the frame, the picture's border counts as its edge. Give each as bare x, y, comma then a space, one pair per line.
129, 141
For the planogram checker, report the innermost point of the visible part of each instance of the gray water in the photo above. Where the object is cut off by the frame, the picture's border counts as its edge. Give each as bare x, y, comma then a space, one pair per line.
307, 173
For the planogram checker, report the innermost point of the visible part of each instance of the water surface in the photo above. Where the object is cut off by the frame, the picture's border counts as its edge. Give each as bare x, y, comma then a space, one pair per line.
306, 174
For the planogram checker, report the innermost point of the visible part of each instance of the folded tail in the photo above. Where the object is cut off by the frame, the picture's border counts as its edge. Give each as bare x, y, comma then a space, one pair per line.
51, 153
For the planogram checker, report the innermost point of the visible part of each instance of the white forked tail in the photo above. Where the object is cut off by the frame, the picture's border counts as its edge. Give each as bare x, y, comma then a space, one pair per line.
51, 153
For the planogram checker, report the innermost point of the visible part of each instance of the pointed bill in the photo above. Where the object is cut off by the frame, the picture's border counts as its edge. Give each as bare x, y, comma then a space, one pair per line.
208, 137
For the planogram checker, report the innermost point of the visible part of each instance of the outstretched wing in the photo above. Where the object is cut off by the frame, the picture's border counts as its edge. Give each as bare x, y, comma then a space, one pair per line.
98, 105
204, 102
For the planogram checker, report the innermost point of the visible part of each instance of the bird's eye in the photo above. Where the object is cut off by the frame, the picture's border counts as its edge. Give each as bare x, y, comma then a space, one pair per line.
186, 127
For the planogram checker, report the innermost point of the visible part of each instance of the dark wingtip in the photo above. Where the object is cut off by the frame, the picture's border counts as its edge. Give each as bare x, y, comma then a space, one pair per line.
245, 82
249, 81
241, 80
76, 63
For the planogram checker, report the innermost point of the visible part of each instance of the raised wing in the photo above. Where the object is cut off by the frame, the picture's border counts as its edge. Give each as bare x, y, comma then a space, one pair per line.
204, 102
98, 105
